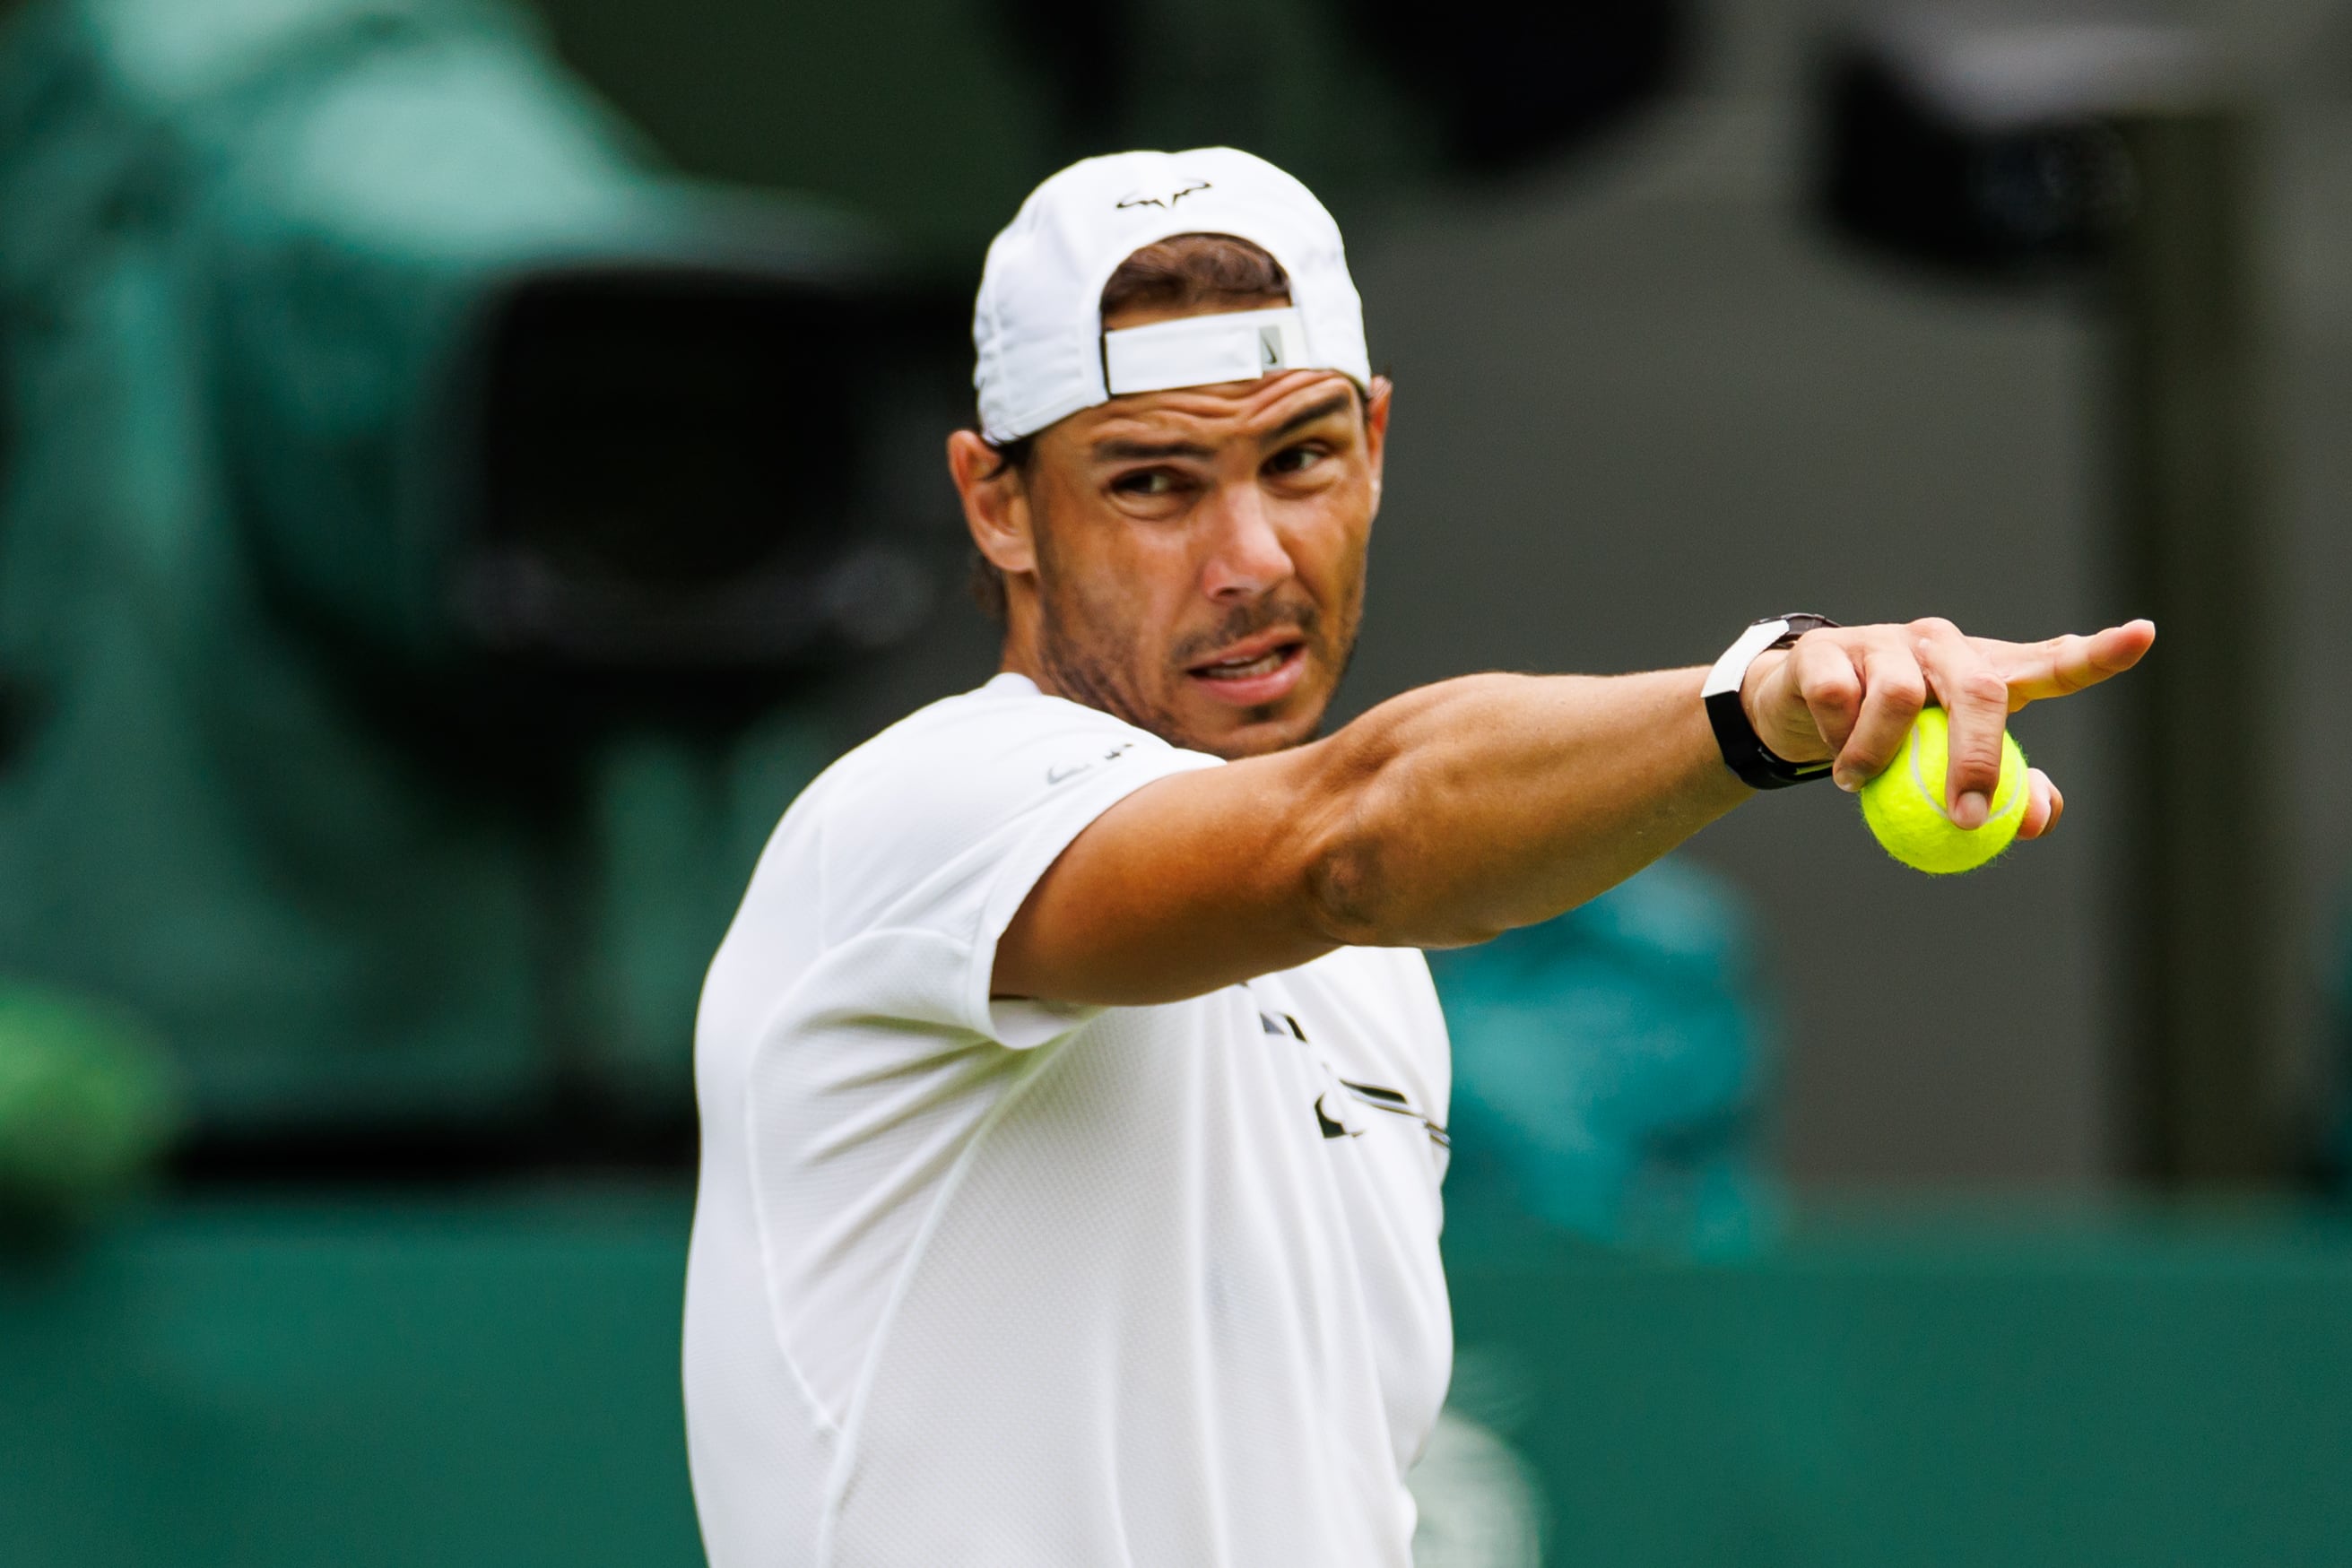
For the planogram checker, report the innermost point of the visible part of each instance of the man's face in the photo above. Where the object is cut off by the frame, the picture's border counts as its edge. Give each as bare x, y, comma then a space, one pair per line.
1199, 556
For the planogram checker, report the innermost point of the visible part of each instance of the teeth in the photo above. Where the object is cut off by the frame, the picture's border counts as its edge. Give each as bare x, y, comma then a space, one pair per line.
1234, 670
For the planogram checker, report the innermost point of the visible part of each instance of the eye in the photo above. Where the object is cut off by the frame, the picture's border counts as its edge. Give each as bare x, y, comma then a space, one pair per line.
1297, 459
1147, 482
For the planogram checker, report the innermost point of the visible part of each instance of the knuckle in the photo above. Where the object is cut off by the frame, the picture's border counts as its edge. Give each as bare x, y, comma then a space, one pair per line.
1837, 687
1865, 761
1906, 692
1934, 626
1983, 687
1978, 764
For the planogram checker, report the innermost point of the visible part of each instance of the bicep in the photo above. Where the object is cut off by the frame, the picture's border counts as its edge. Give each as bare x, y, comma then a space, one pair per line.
1195, 882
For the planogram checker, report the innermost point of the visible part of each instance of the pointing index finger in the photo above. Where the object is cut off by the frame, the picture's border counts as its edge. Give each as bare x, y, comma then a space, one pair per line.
2062, 667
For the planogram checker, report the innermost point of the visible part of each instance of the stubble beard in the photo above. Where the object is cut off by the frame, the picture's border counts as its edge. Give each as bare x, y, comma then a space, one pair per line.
1077, 646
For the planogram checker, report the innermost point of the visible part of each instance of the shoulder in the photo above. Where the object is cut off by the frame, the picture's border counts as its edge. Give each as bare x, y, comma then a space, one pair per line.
976, 756
948, 793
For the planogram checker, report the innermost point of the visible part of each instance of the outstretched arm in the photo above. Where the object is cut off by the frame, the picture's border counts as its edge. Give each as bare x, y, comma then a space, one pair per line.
1464, 808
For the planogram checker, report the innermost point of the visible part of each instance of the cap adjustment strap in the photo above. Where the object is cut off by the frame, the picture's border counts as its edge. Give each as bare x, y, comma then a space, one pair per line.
1203, 351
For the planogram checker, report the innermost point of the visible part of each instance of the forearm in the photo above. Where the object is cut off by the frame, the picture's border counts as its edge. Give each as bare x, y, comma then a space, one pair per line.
1477, 805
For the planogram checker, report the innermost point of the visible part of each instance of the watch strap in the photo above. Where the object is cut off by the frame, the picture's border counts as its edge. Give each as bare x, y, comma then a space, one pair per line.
1744, 752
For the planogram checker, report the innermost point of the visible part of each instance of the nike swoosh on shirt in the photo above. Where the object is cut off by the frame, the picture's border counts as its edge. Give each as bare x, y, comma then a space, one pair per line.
1061, 770
1384, 1099
1332, 1129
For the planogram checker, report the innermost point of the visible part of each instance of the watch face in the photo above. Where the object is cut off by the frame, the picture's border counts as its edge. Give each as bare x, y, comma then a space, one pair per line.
1798, 625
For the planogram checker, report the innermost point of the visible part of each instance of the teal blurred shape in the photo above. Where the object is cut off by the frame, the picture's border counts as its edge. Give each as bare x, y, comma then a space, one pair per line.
88, 1109
249, 252
1610, 1070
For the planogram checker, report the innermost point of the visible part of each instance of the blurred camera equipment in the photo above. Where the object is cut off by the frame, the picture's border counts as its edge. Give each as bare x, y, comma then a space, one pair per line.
430, 527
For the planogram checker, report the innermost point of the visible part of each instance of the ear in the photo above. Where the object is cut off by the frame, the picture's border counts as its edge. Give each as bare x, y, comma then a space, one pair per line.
995, 503
1376, 431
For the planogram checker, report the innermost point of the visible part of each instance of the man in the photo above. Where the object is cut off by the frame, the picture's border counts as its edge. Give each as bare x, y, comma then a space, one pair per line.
1073, 1094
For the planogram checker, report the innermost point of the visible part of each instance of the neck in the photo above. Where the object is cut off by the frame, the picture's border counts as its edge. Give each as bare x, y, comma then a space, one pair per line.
1019, 655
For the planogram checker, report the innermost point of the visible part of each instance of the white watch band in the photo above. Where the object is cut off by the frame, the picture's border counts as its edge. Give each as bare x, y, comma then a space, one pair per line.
1732, 668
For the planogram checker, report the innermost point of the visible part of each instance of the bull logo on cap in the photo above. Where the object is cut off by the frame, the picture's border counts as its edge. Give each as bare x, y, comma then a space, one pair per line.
1138, 199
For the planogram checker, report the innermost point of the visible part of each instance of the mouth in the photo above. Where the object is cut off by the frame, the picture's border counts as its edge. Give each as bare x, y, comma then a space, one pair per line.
1252, 674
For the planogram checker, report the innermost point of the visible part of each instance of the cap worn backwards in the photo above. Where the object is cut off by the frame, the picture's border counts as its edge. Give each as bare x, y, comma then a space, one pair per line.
1038, 324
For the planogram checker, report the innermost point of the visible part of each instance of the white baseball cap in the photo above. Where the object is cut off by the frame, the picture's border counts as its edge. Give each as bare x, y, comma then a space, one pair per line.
1038, 324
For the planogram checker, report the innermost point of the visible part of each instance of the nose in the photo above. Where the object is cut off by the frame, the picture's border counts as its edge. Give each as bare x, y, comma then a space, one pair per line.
1247, 555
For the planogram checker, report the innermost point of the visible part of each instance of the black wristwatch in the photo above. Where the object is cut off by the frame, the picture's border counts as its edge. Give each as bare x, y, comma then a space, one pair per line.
1743, 752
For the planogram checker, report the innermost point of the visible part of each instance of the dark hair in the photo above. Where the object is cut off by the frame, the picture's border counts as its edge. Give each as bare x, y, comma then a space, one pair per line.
1184, 271
1187, 270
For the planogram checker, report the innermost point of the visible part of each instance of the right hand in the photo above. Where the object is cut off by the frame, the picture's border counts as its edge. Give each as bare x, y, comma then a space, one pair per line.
1850, 693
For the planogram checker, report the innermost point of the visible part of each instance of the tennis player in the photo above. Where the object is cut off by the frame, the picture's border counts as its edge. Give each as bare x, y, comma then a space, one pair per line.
1072, 1094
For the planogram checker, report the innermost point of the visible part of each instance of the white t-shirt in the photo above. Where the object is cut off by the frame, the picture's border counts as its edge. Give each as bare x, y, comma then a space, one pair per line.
990, 1282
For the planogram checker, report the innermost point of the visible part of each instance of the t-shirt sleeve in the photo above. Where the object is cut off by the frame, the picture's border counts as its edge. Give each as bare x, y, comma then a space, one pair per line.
929, 848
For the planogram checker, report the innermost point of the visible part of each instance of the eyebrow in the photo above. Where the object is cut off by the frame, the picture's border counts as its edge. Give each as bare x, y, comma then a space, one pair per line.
1131, 451
1306, 416
1146, 451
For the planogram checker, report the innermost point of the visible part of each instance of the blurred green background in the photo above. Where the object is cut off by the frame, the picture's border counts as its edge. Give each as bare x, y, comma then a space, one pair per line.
467, 467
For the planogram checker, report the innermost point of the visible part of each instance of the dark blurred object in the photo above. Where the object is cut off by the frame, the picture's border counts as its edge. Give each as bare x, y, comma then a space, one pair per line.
88, 1109
1983, 138
426, 517
2004, 141
18, 709
1086, 50
2209, 955
1510, 84
1515, 83
669, 476
1612, 1071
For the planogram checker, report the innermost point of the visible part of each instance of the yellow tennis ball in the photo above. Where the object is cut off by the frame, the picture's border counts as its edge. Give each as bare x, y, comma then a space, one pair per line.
1904, 805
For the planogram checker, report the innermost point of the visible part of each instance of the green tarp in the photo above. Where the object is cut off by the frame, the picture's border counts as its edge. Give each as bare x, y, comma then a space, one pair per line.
493, 1381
